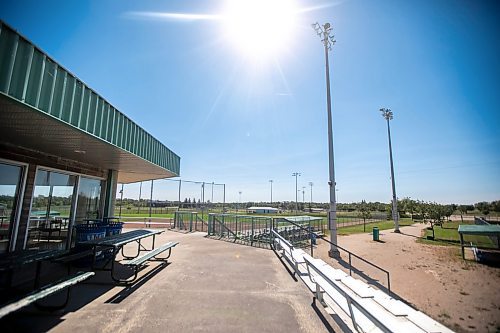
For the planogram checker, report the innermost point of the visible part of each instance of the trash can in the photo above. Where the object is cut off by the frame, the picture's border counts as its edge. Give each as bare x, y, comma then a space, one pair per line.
375, 234
85, 232
113, 228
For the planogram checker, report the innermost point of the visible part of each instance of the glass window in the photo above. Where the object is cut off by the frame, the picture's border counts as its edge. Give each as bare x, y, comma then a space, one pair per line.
50, 210
10, 180
89, 198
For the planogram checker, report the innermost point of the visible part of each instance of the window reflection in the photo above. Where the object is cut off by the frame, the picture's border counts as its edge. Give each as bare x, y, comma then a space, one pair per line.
10, 179
88, 202
50, 210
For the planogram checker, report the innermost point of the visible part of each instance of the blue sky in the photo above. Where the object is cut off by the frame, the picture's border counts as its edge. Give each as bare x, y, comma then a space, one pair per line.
241, 121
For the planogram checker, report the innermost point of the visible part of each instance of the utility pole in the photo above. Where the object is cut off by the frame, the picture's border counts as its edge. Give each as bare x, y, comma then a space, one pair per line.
310, 203
271, 182
296, 174
328, 40
139, 204
151, 199
121, 201
388, 115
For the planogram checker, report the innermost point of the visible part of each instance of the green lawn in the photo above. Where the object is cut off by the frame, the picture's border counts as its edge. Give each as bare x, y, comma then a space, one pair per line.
382, 225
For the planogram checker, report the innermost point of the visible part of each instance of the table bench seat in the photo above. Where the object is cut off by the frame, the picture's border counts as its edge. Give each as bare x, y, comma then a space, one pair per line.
150, 255
45, 291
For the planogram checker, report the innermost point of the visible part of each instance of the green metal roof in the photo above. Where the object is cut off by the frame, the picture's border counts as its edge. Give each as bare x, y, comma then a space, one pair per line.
471, 229
31, 77
303, 218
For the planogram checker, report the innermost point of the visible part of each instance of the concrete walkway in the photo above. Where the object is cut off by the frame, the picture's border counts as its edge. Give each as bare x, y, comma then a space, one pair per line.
209, 285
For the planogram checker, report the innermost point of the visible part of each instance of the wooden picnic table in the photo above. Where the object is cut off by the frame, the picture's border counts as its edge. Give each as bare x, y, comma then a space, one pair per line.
116, 243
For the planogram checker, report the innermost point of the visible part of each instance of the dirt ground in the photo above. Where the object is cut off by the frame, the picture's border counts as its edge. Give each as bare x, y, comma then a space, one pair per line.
463, 295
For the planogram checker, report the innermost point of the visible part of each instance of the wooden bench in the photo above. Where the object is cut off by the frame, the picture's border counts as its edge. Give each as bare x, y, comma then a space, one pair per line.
138, 262
46, 291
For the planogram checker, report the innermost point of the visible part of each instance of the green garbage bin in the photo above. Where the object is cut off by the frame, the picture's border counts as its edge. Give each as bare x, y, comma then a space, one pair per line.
375, 234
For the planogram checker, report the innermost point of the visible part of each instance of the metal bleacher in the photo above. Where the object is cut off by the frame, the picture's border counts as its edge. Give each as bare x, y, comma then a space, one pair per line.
352, 303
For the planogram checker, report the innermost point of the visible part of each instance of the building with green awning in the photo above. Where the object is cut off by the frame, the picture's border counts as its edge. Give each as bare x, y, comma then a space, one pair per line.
63, 147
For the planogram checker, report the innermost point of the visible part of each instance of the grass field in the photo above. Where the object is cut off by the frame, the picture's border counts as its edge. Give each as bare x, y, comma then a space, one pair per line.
382, 225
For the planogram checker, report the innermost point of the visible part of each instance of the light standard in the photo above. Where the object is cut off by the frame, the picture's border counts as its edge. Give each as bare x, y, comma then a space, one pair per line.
139, 205
296, 174
303, 194
311, 202
388, 115
328, 41
121, 201
271, 182
239, 201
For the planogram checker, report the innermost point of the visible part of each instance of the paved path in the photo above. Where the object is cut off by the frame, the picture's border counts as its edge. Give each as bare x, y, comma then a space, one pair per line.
210, 285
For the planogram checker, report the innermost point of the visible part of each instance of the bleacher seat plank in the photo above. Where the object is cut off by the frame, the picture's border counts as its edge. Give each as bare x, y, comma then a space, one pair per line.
358, 287
394, 306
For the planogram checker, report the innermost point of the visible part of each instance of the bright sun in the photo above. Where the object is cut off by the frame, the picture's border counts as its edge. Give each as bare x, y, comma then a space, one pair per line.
259, 28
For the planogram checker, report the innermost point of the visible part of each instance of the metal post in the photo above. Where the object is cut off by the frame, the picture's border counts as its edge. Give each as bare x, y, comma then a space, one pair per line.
202, 199
388, 115
151, 199
271, 181
121, 201
328, 41
224, 199
310, 204
296, 174
179, 207
139, 204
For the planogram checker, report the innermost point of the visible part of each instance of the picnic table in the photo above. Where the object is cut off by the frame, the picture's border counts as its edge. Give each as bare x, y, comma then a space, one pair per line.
115, 243
18, 260
15, 260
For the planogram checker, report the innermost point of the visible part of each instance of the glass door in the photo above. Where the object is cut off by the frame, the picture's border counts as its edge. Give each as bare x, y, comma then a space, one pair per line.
51, 210
10, 188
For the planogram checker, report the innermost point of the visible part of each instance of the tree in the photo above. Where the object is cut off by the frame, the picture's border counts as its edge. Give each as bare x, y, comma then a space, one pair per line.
483, 207
448, 210
364, 213
408, 205
463, 211
495, 206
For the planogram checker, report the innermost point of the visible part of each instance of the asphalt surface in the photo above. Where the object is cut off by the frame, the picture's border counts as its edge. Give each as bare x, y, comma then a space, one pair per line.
208, 285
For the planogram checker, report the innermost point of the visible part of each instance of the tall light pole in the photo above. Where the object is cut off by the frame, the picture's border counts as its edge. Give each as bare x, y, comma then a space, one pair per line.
311, 202
239, 201
388, 115
121, 201
328, 40
296, 174
139, 204
303, 194
271, 182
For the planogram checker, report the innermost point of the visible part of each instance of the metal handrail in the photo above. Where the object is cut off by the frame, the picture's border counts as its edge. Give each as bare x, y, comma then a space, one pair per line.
282, 239
350, 301
350, 254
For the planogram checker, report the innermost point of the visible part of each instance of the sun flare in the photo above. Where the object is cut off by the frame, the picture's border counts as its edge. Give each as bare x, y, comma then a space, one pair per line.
259, 28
